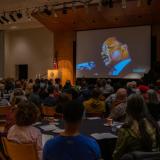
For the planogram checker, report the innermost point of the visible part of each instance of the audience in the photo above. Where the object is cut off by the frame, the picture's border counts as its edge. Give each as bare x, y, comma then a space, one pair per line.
138, 113
71, 144
140, 132
23, 131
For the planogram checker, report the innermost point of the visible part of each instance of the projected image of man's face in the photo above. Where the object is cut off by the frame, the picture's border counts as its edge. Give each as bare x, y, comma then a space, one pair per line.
115, 53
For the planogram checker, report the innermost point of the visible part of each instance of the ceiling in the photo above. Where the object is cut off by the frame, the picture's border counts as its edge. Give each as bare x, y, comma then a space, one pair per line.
82, 19
12, 5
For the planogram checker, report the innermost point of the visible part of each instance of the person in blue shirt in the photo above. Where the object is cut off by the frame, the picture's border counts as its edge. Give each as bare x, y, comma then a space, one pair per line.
71, 145
50, 100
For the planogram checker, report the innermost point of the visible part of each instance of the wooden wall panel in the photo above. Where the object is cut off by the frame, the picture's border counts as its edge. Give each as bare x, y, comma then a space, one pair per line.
63, 42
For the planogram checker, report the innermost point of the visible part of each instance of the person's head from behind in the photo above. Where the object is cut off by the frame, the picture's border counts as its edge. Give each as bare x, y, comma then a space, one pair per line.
96, 93
27, 113
152, 96
137, 111
36, 89
18, 84
136, 108
50, 90
121, 94
73, 113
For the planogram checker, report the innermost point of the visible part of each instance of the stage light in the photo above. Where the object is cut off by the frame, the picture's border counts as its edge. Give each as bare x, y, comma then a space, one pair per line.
19, 15
73, 6
64, 10
99, 8
86, 7
124, 4
5, 19
12, 18
47, 11
139, 2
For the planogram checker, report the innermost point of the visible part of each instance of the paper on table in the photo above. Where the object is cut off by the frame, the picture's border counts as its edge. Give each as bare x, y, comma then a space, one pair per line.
93, 118
58, 130
37, 123
49, 127
100, 136
45, 138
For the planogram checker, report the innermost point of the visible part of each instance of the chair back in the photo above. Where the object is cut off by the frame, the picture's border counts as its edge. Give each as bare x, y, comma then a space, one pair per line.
48, 111
17, 151
4, 110
141, 156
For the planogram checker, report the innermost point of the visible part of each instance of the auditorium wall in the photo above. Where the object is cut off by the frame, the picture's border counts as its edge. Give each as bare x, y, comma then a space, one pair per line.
34, 47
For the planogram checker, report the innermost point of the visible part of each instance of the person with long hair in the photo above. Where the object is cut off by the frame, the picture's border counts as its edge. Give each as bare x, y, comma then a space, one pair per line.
153, 104
140, 132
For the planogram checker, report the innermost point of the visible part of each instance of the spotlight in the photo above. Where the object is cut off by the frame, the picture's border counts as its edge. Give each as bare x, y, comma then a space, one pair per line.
99, 8
1, 21
110, 3
47, 11
12, 18
64, 11
139, 2
5, 19
19, 15
73, 7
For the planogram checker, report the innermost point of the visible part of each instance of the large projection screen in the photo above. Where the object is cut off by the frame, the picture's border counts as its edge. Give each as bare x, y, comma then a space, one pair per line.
114, 53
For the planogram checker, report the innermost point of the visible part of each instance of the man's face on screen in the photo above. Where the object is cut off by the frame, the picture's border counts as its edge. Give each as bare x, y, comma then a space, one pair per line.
113, 51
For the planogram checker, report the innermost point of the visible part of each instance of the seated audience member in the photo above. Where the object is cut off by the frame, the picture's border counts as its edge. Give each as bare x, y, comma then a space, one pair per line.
153, 104
23, 131
34, 97
118, 108
63, 98
143, 90
4, 102
140, 133
10, 117
94, 104
71, 144
58, 85
29, 87
67, 86
50, 100
108, 88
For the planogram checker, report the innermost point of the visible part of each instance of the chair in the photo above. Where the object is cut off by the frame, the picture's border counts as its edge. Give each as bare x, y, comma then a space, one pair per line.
17, 151
48, 111
137, 155
4, 110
